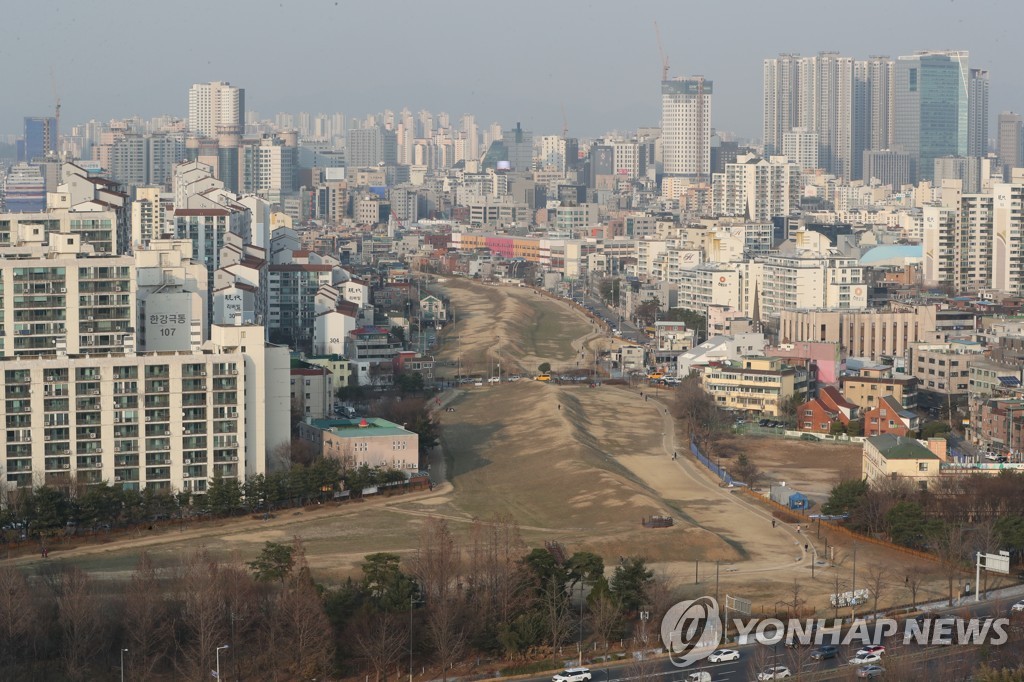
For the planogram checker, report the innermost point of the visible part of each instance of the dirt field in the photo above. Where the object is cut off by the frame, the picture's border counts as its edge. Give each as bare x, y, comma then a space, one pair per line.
574, 464
811, 468
514, 326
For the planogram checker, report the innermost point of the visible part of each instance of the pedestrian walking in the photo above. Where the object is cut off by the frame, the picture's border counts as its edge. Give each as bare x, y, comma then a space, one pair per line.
773, 523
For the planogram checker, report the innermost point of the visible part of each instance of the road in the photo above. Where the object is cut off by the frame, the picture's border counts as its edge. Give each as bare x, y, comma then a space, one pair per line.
935, 662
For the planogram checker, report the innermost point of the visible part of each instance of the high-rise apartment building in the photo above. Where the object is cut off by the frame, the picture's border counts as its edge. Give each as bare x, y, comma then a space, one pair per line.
371, 147
215, 107
1011, 141
758, 189
932, 113
844, 103
686, 127
801, 147
977, 113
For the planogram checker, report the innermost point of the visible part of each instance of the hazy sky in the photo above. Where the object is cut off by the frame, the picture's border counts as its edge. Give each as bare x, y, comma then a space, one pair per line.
517, 60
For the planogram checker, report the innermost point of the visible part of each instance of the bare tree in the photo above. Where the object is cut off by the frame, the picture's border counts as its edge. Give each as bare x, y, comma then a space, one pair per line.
19, 614
913, 582
80, 622
951, 548
437, 567
557, 616
699, 414
446, 632
382, 639
878, 583
495, 577
148, 628
203, 625
303, 629
605, 617
643, 665
798, 601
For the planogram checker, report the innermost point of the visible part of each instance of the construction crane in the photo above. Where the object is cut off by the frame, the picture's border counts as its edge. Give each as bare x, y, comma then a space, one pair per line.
661, 52
565, 123
47, 142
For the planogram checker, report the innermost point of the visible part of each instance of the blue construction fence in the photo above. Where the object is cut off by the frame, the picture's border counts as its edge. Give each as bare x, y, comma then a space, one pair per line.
714, 468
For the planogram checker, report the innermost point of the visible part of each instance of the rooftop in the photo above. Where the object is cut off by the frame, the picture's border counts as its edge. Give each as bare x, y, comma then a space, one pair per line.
360, 428
898, 447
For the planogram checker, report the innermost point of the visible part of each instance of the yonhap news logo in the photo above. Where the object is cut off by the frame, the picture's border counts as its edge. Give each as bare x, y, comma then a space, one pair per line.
691, 630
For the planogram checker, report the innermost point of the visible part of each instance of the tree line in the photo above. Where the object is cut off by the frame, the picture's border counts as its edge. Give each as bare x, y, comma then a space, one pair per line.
954, 517
451, 600
45, 510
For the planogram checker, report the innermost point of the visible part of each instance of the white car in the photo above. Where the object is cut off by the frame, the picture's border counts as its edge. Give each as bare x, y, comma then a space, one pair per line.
861, 659
494, 380
572, 675
1018, 607
699, 677
774, 672
723, 655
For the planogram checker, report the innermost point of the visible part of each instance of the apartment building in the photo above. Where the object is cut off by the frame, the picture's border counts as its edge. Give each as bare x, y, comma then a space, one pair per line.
64, 299
292, 296
753, 384
873, 383
942, 369
166, 421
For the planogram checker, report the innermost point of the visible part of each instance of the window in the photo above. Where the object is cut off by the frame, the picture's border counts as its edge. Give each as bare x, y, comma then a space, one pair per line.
922, 466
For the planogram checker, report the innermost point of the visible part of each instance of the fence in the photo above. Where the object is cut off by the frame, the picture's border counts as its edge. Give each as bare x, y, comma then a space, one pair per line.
714, 468
792, 515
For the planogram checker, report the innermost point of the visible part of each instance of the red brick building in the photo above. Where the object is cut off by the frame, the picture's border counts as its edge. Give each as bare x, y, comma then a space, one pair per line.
889, 417
818, 414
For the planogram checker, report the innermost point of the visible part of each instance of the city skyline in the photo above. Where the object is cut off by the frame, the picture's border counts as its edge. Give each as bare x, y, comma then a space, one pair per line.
603, 84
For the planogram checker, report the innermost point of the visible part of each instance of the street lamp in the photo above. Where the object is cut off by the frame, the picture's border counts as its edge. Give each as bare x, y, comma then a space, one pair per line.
123, 652
219, 649
412, 597
580, 644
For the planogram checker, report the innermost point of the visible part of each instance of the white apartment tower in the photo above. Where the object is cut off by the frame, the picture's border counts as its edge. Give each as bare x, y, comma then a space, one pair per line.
686, 127
215, 107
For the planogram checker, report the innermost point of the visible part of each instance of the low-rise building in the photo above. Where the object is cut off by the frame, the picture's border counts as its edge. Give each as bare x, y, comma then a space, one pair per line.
997, 423
889, 417
311, 391
372, 441
889, 455
818, 414
941, 369
753, 384
867, 388
720, 348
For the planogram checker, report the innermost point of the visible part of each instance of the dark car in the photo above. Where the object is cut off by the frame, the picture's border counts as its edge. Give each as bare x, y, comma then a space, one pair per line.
825, 651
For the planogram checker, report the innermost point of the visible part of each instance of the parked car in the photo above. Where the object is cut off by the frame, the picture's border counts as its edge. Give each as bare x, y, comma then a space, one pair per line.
1018, 607
823, 652
494, 380
722, 655
700, 676
572, 675
871, 671
861, 659
774, 672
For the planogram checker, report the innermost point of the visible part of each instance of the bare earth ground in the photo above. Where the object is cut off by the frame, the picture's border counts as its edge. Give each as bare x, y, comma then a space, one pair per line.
574, 464
515, 326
